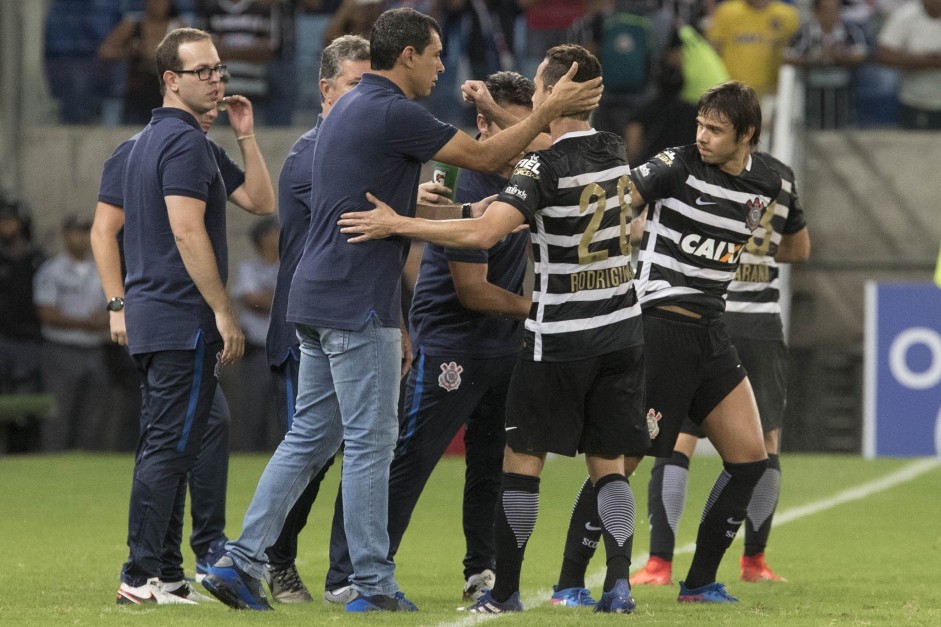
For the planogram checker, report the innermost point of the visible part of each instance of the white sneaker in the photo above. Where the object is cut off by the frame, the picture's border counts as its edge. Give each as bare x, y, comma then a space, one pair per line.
184, 590
478, 584
151, 592
340, 596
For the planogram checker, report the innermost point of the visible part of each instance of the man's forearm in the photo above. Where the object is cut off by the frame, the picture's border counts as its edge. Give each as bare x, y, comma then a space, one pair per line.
257, 184
108, 261
512, 141
200, 262
491, 299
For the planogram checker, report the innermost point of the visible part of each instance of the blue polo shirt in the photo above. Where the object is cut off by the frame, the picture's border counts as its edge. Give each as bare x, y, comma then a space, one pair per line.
111, 187
294, 190
438, 323
375, 140
163, 308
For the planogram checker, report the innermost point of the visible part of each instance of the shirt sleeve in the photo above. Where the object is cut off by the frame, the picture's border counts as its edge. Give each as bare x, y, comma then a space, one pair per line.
795, 217
232, 174
530, 182
188, 166
658, 177
111, 188
414, 132
466, 255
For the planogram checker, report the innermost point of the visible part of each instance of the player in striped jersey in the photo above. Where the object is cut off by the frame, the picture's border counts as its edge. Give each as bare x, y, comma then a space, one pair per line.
578, 384
705, 202
753, 319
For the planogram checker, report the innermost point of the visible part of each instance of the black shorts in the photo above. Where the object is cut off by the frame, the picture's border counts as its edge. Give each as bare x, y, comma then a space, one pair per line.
691, 367
766, 363
593, 406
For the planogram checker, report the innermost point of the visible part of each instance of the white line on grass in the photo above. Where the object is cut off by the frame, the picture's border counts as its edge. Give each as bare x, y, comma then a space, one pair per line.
903, 475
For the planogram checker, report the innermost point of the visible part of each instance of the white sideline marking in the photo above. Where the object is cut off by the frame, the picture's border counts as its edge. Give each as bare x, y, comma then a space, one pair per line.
903, 475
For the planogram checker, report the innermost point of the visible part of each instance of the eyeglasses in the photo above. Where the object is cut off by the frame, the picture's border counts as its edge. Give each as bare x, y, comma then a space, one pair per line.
204, 73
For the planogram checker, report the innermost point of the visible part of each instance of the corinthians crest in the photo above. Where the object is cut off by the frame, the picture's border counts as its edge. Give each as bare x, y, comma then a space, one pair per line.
450, 377
756, 209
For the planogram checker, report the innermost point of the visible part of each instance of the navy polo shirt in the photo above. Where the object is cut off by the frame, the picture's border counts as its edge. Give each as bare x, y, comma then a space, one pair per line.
111, 188
438, 323
163, 308
375, 140
294, 189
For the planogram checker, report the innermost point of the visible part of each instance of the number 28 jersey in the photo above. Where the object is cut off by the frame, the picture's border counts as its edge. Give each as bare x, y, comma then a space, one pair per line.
576, 200
699, 219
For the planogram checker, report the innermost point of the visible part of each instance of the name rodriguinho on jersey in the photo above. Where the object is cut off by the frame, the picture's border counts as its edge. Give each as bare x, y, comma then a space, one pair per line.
600, 279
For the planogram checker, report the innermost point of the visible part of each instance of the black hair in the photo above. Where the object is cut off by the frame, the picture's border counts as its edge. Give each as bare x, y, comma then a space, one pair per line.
394, 31
738, 104
558, 61
510, 88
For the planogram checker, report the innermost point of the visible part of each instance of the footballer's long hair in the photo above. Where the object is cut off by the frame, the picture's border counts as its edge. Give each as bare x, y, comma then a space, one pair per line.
736, 103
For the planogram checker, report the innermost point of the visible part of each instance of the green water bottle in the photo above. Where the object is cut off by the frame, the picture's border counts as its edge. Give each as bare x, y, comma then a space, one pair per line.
447, 175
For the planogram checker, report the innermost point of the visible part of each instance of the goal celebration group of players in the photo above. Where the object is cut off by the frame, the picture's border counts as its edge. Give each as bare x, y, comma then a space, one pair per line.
607, 359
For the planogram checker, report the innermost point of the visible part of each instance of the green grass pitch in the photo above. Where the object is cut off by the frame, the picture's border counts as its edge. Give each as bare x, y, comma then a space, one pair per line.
854, 551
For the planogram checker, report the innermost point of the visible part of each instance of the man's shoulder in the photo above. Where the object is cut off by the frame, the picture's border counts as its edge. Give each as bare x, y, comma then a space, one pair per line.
686, 157
775, 165
768, 172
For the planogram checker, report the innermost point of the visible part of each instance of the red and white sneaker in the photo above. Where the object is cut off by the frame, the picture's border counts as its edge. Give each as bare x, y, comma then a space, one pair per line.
151, 592
754, 568
657, 572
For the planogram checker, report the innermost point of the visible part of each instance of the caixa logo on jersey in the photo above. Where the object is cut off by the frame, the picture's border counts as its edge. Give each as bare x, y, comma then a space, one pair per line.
711, 248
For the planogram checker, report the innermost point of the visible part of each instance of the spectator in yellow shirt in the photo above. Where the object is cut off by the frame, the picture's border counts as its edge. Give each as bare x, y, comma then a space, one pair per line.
750, 35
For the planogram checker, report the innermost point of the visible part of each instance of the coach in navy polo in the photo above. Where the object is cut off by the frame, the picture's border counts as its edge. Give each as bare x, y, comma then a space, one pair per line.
346, 302
179, 318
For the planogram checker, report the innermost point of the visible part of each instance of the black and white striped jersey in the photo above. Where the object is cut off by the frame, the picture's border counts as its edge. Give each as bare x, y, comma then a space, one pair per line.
576, 199
699, 219
753, 309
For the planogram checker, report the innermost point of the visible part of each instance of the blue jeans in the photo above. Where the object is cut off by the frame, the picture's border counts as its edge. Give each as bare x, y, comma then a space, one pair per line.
348, 390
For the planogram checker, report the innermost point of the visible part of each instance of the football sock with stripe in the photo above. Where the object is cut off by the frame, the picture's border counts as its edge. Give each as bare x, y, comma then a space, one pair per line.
723, 515
666, 500
517, 510
582, 538
616, 510
761, 508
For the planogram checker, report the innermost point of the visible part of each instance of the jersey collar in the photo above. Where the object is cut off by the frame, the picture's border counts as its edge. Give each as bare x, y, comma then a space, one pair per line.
572, 134
174, 112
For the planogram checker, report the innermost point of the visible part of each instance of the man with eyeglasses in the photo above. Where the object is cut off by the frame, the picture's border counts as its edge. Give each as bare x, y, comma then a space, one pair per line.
180, 323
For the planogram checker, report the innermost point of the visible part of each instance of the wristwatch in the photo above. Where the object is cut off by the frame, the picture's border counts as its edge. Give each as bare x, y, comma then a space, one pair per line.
466, 210
116, 304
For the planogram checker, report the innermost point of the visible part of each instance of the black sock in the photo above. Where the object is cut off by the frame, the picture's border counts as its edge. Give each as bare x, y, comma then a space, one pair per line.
581, 540
516, 517
761, 508
723, 515
666, 499
616, 511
